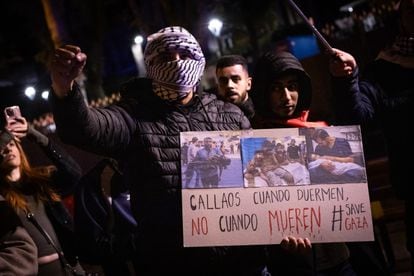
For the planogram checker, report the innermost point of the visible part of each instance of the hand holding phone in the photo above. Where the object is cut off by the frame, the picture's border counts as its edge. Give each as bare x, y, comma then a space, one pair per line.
15, 123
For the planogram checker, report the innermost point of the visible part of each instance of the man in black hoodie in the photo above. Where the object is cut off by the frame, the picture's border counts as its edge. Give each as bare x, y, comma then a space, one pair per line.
282, 94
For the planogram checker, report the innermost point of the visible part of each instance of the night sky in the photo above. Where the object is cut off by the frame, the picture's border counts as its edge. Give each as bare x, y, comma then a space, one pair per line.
25, 40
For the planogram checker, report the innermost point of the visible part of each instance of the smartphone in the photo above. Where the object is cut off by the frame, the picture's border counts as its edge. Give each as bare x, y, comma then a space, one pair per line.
12, 112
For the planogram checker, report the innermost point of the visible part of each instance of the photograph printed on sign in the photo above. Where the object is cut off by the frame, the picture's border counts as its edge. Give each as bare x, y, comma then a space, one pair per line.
211, 160
335, 155
270, 162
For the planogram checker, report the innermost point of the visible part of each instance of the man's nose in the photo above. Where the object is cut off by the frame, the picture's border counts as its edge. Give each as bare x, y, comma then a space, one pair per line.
286, 94
229, 83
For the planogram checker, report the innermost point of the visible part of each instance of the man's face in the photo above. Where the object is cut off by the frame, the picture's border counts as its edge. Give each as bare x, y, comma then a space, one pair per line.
280, 150
258, 157
284, 96
208, 143
322, 142
233, 83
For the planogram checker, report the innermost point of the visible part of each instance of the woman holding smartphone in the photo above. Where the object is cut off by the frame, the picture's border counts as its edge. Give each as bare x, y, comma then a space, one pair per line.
35, 194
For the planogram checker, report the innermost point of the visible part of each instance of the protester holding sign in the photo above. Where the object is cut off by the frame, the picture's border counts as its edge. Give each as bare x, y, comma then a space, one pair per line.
282, 93
142, 131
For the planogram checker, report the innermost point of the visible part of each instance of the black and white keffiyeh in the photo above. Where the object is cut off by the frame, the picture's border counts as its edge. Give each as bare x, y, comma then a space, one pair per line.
173, 80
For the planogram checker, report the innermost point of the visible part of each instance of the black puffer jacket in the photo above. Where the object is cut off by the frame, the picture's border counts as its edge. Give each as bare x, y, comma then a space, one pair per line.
143, 132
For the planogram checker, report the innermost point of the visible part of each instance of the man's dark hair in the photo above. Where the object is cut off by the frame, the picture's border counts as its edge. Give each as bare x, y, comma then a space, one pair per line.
320, 133
231, 60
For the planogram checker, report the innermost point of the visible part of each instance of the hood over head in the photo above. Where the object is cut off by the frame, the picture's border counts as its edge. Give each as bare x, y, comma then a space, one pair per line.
271, 66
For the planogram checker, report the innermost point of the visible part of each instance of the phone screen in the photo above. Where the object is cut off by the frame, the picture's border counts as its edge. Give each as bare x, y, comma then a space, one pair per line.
12, 112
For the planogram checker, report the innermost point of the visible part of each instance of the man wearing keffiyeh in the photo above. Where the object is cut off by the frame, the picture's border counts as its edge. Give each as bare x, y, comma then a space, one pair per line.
383, 98
174, 76
142, 132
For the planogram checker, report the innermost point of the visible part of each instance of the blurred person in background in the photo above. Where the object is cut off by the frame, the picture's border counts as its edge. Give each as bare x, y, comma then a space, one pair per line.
382, 98
234, 82
34, 194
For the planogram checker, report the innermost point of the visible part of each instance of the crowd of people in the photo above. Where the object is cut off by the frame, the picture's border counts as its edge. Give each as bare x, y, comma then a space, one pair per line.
142, 133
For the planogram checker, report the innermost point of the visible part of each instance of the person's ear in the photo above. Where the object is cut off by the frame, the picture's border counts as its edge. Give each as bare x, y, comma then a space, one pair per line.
249, 83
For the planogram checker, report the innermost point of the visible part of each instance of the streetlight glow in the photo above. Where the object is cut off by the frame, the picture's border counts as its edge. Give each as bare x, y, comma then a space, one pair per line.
138, 54
30, 92
215, 25
139, 39
45, 95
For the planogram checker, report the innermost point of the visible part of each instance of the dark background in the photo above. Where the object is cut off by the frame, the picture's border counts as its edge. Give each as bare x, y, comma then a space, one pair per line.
31, 29
105, 30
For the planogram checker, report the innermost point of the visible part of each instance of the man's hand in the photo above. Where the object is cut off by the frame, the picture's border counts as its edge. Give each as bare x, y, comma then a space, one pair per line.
296, 245
66, 66
342, 64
